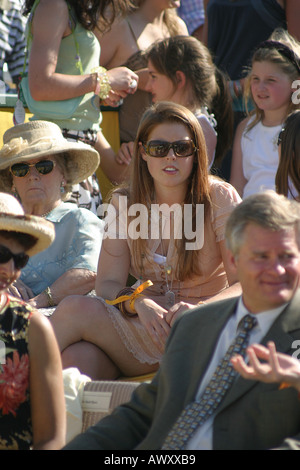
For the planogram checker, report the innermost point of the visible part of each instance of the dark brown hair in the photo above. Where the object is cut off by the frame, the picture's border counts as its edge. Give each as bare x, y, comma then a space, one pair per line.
289, 163
91, 12
209, 85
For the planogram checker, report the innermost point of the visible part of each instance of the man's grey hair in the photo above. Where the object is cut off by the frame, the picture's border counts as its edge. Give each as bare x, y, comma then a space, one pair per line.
268, 210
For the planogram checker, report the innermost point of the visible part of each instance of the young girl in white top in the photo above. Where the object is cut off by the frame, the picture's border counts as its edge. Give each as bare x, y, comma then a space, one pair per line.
275, 68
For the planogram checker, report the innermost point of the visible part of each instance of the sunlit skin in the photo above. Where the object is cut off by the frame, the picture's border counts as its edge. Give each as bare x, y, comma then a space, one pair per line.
270, 86
170, 172
8, 272
268, 267
159, 85
39, 193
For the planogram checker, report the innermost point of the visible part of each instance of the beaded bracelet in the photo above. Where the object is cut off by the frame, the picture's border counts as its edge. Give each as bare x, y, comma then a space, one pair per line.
103, 87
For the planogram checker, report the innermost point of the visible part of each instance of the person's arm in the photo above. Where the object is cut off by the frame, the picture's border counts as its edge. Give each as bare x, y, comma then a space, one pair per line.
44, 82
46, 386
49, 26
73, 281
112, 275
292, 13
113, 168
237, 178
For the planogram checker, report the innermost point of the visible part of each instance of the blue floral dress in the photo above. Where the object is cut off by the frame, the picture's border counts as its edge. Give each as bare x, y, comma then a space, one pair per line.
15, 412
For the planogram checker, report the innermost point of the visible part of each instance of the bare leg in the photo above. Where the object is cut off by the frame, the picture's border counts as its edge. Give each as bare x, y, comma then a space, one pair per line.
90, 360
85, 318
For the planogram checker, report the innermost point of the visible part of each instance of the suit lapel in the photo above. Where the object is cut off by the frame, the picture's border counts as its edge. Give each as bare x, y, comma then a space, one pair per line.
208, 337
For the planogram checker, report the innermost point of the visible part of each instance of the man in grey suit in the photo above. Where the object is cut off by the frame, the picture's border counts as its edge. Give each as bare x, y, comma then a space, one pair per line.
263, 236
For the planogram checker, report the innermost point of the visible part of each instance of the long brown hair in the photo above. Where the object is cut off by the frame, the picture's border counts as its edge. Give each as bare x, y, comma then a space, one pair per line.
141, 187
289, 162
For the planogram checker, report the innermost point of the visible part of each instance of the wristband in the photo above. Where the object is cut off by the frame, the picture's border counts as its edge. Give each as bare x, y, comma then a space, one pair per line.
132, 296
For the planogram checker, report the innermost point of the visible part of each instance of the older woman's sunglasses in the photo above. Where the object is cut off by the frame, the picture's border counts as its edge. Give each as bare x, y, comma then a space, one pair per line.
159, 148
44, 167
20, 260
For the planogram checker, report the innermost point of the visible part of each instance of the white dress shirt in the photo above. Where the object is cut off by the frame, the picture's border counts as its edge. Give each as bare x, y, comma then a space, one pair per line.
202, 438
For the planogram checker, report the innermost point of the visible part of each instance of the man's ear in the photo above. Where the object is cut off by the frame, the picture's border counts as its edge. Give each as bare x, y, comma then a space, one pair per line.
232, 261
181, 79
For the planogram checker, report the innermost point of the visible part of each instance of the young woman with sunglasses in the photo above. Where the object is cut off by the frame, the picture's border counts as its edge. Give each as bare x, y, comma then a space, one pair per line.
169, 171
39, 166
32, 404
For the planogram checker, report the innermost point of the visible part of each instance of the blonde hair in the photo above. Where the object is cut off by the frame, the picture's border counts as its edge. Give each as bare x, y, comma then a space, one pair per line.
170, 17
270, 52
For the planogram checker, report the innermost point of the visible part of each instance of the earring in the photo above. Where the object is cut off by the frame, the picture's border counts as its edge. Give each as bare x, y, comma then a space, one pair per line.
62, 187
15, 192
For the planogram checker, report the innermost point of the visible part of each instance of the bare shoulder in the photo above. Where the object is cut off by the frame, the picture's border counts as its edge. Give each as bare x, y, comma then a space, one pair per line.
40, 331
242, 126
50, 14
57, 6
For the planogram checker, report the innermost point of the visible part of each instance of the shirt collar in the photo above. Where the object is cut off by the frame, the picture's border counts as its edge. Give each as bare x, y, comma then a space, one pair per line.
265, 318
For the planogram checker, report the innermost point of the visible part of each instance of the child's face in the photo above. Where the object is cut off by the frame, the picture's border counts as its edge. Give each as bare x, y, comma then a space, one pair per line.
159, 85
271, 88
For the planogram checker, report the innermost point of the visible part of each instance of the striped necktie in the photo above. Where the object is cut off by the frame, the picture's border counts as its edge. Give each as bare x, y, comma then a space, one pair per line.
197, 412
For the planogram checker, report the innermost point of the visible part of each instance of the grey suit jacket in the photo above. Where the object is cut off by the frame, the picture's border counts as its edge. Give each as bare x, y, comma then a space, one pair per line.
253, 415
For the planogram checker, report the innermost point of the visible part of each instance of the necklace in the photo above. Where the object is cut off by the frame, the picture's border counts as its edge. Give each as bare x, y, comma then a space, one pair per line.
169, 295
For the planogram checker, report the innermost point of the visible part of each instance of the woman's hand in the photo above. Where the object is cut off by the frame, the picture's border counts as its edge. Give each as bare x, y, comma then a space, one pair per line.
123, 81
20, 290
174, 312
152, 317
124, 155
276, 368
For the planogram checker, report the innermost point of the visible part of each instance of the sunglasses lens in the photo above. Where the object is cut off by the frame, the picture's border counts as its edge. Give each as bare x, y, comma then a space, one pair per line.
21, 260
158, 149
20, 169
44, 167
5, 255
183, 148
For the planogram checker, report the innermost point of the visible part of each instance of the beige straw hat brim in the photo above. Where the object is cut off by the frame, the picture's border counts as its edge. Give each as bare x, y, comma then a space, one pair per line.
42, 229
38, 139
13, 219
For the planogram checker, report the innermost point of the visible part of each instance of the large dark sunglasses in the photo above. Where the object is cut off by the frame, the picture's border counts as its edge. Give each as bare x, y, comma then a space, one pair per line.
44, 167
20, 260
159, 148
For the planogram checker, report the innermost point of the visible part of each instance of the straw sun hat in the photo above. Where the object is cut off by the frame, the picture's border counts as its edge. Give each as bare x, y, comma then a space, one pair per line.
13, 218
38, 139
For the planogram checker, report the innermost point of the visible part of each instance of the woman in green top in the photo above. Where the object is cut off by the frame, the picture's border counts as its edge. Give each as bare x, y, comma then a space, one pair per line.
63, 55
